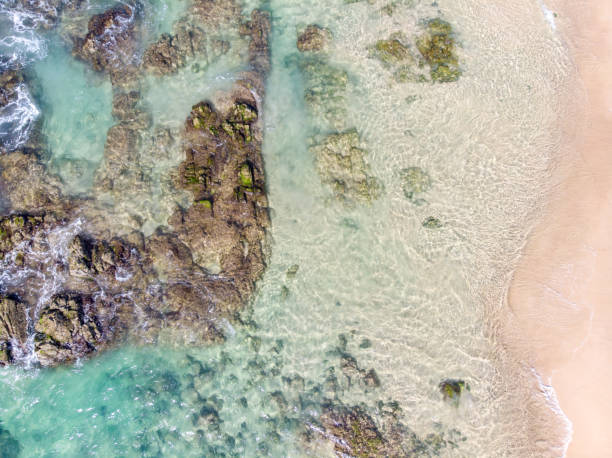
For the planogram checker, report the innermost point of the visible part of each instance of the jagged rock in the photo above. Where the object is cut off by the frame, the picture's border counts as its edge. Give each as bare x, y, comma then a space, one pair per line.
181, 283
341, 163
27, 186
20, 229
313, 38
13, 325
110, 44
354, 432
224, 172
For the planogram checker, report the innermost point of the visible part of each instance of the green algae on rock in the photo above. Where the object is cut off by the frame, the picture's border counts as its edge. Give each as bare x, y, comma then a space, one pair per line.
453, 389
392, 51
437, 47
340, 160
175, 292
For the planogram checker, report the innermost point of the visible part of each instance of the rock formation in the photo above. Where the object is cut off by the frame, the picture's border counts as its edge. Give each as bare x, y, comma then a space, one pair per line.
72, 283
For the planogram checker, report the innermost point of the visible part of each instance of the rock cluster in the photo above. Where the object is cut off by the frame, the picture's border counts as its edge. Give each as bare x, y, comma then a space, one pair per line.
436, 53
73, 283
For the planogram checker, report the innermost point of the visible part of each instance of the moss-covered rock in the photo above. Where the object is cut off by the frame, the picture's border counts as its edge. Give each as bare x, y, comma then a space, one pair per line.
453, 389
341, 164
392, 51
437, 47
355, 431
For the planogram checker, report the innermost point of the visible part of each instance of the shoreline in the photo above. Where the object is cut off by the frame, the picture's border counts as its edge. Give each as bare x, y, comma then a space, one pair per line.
558, 319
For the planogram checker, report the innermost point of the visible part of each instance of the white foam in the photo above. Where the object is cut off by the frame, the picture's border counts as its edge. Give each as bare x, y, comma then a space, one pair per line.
553, 404
548, 15
17, 119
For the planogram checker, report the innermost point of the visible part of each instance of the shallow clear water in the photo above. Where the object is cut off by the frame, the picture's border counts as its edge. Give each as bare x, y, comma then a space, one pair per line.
416, 304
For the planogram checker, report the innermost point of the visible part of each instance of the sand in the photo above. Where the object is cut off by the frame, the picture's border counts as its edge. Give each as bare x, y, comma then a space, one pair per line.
560, 300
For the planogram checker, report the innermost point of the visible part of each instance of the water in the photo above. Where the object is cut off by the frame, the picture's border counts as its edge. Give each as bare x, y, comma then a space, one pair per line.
416, 304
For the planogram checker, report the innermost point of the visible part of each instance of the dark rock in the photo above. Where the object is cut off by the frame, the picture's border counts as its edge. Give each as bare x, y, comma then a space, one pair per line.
110, 44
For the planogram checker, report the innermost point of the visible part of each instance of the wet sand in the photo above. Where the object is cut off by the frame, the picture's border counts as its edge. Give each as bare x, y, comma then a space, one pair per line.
560, 300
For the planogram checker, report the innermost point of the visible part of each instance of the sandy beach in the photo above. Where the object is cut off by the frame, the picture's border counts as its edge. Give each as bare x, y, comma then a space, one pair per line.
560, 301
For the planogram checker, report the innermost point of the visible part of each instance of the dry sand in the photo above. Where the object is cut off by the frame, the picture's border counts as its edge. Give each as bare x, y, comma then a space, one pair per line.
560, 300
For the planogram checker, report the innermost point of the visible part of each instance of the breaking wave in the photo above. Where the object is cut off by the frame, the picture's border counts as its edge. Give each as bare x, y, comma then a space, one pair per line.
17, 118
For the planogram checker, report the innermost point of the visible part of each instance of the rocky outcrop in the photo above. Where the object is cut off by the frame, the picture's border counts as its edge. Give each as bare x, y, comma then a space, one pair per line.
76, 282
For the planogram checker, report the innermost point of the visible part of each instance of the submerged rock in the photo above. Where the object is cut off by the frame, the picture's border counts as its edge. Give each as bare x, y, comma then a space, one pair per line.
453, 389
415, 182
313, 38
437, 47
392, 51
341, 164
324, 89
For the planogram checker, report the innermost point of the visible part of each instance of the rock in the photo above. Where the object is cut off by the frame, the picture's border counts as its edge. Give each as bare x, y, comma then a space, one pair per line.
353, 432
292, 271
371, 379
68, 329
453, 389
110, 43
437, 47
26, 185
313, 38
432, 223
258, 28
13, 325
185, 282
392, 51
415, 182
341, 164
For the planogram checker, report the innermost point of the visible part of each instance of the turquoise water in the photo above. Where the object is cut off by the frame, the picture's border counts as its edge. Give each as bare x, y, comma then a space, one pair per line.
415, 304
